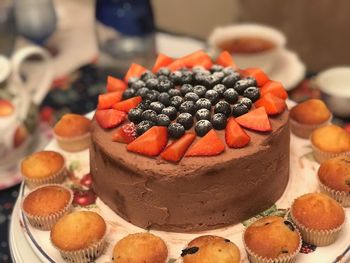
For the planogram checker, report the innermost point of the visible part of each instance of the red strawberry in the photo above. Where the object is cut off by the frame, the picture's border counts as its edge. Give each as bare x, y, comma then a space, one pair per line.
274, 87
125, 134
258, 74
84, 197
107, 100
272, 104
175, 151
256, 119
151, 143
86, 180
115, 84
109, 118
198, 58
162, 61
209, 145
177, 64
135, 70
128, 104
6, 108
235, 136
225, 59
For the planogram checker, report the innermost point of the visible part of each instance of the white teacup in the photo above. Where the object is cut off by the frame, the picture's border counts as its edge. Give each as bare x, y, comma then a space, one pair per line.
251, 45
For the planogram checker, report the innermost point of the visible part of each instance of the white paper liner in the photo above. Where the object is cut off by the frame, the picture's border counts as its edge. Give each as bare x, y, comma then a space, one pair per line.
56, 178
342, 197
47, 222
304, 130
74, 144
322, 156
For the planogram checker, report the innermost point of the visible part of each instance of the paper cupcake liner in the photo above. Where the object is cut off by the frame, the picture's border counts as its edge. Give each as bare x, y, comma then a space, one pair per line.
255, 258
322, 156
342, 197
304, 130
74, 144
56, 178
317, 237
47, 222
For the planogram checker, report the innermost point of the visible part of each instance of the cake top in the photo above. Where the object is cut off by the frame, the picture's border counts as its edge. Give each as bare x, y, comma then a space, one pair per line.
185, 98
72, 125
311, 112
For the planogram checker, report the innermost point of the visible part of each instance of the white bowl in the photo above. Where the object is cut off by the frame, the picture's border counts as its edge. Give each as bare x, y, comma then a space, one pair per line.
264, 59
334, 84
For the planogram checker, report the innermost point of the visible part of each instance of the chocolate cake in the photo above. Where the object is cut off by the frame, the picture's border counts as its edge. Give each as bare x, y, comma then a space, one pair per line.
199, 191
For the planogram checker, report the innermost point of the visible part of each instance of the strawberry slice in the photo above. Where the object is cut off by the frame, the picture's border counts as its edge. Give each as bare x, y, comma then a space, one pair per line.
272, 104
209, 145
107, 100
256, 119
125, 134
128, 104
135, 70
6, 108
177, 64
235, 136
274, 87
161, 61
151, 143
115, 84
225, 59
258, 74
109, 118
175, 151
198, 58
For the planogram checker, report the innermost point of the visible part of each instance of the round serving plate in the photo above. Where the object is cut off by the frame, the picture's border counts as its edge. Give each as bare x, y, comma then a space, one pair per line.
303, 179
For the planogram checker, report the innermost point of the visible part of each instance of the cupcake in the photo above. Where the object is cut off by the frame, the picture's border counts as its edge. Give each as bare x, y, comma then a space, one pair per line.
45, 167
272, 239
308, 116
330, 141
334, 179
42, 214
211, 249
318, 217
79, 236
72, 132
140, 248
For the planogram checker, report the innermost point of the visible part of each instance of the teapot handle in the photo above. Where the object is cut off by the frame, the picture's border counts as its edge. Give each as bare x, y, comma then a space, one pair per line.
41, 89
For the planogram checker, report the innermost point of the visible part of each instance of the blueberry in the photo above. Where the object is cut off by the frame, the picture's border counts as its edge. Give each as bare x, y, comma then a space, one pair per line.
129, 93
203, 104
176, 77
163, 120
156, 106
164, 98
216, 68
243, 84
171, 112
191, 96
174, 92
203, 114
187, 77
176, 101
188, 106
198, 69
147, 75
165, 85
144, 105
200, 90
252, 93
132, 80
162, 78
220, 88
186, 88
143, 126
135, 115
230, 80
202, 127
245, 101
142, 92
149, 115
163, 71
176, 130
289, 225
220, 75
200, 78
138, 85
219, 121
231, 96
212, 96
152, 95
228, 70
152, 83
239, 109
185, 119
210, 81
223, 107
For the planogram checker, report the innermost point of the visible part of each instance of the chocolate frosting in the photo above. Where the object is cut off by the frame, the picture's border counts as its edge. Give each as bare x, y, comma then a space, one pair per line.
199, 193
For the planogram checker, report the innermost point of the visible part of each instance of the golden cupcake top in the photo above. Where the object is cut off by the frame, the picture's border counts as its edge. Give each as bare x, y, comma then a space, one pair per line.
140, 248
335, 173
311, 112
318, 211
211, 249
272, 237
42, 164
331, 138
78, 230
36, 203
72, 125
